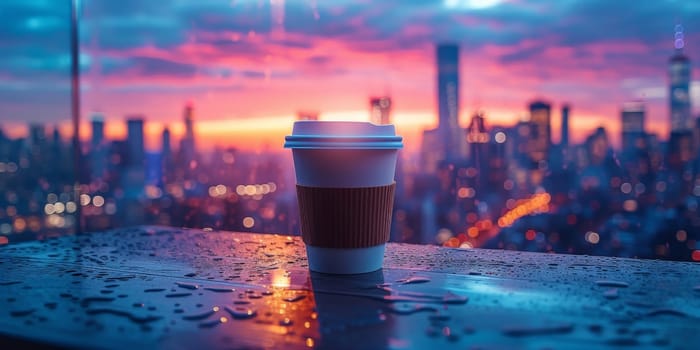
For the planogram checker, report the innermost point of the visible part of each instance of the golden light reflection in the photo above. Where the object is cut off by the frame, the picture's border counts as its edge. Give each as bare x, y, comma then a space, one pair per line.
280, 279
288, 310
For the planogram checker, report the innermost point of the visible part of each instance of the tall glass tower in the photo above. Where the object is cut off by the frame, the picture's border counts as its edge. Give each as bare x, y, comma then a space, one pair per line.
448, 100
137, 153
633, 116
679, 89
565, 125
187, 144
541, 132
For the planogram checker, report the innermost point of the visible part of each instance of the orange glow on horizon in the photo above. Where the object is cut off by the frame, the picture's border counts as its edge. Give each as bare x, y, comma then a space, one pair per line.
267, 133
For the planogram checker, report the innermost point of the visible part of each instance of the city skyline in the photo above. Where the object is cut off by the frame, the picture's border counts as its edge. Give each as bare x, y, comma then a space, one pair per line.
249, 77
503, 180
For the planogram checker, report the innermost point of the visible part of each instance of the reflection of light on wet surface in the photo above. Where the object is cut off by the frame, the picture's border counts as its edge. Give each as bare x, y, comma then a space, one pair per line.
280, 279
209, 289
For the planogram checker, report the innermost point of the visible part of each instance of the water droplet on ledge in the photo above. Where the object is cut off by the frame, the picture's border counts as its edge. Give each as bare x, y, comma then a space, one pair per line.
21, 313
528, 330
409, 308
130, 316
185, 285
413, 280
448, 298
219, 289
9, 283
614, 284
213, 323
239, 312
177, 295
294, 298
666, 312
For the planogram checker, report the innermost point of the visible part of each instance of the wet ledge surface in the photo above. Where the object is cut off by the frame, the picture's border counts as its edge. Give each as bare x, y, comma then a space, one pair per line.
162, 287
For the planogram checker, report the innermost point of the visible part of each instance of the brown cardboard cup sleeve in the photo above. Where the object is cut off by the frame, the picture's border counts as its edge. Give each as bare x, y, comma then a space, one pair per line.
345, 217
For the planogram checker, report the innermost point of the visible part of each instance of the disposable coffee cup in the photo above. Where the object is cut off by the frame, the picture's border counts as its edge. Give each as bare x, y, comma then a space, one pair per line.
345, 189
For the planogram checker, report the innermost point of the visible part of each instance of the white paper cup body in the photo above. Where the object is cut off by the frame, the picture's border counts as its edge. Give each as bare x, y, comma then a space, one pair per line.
350, 167
345, 168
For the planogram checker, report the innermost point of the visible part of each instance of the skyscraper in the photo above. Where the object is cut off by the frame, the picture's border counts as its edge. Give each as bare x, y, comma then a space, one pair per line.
541, 130
98, 150
679, 89
36, 143
165, 148
98, 131
633, 115
380, 110
135, 142
56, 135
448, 84
56, 143
478, 139
134, 173
166, 158
453, 144
598, 146
446, 142
187, 145
189, 123
37, 135
565, 126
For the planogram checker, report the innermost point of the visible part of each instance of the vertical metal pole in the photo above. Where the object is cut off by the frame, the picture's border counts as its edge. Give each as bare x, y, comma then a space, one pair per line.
75, 106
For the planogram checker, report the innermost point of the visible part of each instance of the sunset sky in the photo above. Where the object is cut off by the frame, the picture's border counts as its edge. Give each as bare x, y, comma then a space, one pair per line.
249, 65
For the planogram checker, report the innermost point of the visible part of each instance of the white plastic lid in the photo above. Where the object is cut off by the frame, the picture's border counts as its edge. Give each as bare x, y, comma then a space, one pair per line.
311, 134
